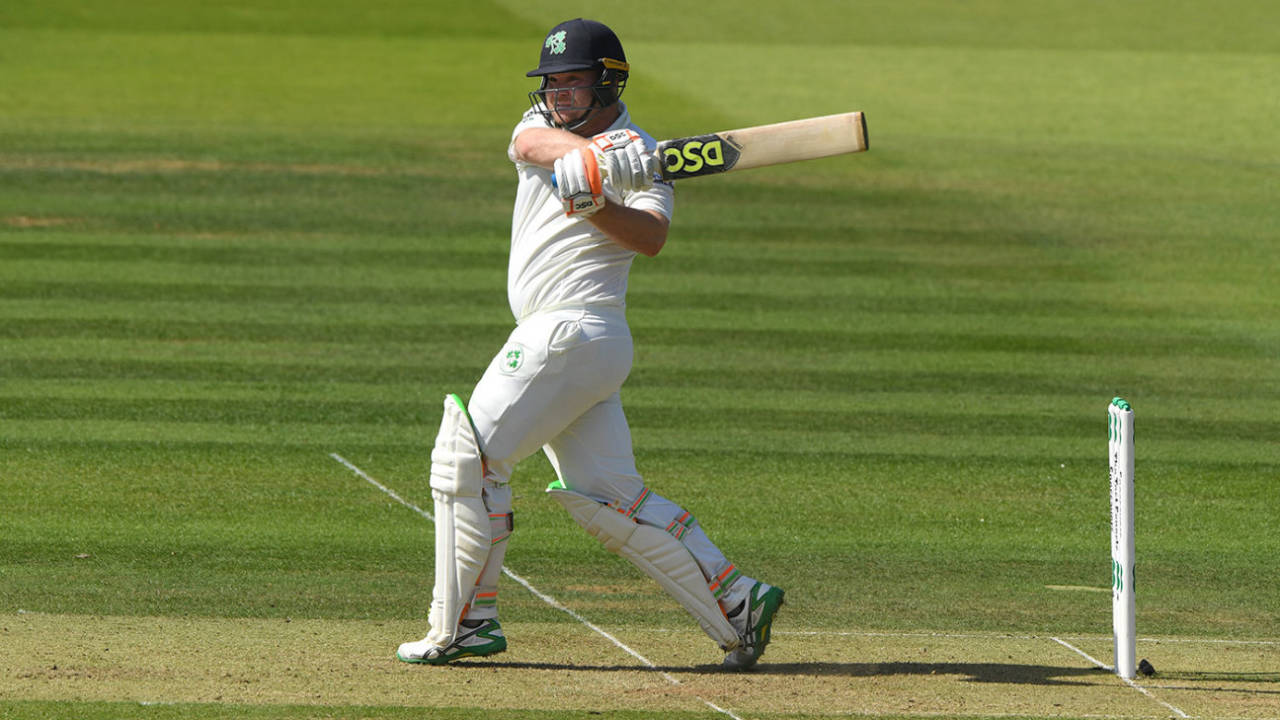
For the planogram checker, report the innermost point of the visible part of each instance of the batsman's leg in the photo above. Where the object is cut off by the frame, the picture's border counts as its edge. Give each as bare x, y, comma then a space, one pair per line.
542, 380
659, 555
464, 539
593, 458
748, 603
497, 501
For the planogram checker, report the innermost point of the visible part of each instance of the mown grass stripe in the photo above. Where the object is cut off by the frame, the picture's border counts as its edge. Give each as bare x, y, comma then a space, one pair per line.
849, 300
442, 277
243, 372
659, 294
799, 266
1251, 410
674, 379
652, 317
674, 455
1053, 450
441, 350
1101, 341
12, 250
266, 433
307, 327
492, 256
656, 288
230, 412
736, 419
143, 329
915, 422
241, 293
996, 384
680, 461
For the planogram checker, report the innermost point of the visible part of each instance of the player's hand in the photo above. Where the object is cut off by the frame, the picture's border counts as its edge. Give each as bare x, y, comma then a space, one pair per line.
627, 165
577, 177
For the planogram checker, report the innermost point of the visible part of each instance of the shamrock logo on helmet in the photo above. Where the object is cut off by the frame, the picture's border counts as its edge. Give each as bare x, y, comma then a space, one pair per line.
555, 42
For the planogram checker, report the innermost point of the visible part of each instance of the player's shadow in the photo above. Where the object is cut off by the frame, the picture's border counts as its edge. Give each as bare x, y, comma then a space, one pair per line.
1006, 673
1210, 682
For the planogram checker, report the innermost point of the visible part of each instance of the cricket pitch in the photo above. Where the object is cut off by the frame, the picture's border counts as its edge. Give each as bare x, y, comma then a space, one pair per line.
563, 666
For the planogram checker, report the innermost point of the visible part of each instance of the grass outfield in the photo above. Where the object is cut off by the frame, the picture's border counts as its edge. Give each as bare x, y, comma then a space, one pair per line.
240, 239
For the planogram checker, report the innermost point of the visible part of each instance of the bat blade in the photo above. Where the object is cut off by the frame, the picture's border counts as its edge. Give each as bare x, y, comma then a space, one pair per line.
763, 145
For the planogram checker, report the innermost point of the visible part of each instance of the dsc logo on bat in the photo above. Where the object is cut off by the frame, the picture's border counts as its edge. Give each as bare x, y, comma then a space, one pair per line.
693, 156
700, 155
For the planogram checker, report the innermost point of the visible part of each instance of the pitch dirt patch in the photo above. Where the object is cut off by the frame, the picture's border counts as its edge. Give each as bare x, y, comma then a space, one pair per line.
26, 221
565, 666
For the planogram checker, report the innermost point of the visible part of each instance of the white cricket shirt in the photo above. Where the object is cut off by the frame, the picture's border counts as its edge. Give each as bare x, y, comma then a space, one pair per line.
558, 261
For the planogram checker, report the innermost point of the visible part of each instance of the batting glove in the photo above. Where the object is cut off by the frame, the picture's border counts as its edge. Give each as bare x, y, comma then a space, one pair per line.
579, 182
627, 166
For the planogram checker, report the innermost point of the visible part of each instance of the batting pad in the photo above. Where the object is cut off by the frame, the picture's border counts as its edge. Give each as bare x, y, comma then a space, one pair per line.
463, 530
658, 554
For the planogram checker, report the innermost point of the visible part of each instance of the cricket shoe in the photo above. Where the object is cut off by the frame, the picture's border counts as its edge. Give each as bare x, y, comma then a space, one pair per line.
476, 638
754, 623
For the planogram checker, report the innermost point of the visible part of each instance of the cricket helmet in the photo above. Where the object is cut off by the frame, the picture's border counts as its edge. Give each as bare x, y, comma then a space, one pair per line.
580, 44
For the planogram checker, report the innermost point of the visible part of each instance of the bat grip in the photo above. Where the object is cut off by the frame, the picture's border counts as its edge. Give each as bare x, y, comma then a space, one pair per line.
556, 184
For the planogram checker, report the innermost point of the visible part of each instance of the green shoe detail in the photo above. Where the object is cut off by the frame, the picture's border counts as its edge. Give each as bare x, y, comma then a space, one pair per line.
480, 641
761, 607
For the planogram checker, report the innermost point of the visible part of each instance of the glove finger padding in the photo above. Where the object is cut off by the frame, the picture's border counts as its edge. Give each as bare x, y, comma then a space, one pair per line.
629, 166
641, 165
580, 183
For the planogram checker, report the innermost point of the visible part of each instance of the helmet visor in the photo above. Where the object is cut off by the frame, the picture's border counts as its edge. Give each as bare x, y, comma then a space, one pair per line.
570, 106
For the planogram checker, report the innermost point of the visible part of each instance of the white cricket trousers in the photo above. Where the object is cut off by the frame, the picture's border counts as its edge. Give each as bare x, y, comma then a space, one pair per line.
555, 385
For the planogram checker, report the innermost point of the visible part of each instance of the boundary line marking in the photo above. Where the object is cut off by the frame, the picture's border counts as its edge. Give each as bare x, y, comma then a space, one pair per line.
1127, 681
537, 593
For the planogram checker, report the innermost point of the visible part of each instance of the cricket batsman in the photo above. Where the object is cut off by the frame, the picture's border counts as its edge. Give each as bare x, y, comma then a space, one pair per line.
587, 203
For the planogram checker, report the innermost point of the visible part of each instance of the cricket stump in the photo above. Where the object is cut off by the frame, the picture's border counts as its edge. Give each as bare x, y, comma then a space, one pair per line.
1123, 607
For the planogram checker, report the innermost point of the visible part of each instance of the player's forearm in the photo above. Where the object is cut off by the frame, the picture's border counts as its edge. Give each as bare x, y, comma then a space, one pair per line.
542, 146
643, 231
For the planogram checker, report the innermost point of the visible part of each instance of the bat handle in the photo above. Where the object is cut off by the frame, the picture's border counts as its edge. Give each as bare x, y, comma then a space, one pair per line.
555, 184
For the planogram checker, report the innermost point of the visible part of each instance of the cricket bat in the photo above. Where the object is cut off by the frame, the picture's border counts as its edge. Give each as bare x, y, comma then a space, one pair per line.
763, 145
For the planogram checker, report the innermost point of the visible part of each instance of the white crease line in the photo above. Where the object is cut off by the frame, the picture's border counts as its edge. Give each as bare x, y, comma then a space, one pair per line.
1096, 663
537, 593
1127, 681
382, 487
